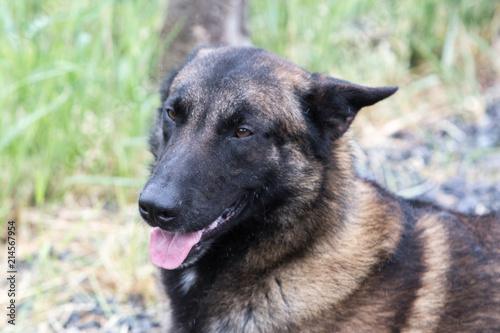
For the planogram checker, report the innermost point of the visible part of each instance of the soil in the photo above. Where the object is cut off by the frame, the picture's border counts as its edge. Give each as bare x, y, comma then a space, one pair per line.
456, 165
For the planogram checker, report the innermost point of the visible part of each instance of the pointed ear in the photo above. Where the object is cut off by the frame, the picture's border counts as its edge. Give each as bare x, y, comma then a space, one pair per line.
334, 103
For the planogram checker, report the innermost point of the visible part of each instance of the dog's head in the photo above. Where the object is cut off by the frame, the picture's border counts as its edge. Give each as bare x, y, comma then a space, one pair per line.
240, 131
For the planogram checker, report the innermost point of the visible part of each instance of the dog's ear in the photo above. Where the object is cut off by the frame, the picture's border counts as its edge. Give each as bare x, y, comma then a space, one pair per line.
333, 103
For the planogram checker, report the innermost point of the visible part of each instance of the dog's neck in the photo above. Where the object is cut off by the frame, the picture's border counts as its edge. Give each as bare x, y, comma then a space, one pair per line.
350, 242
351, 203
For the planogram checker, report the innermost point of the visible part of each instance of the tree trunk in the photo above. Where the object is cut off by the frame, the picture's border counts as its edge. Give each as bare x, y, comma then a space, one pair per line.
191, 23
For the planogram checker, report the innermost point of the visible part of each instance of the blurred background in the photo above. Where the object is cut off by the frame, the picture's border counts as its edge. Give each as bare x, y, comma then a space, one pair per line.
78, 92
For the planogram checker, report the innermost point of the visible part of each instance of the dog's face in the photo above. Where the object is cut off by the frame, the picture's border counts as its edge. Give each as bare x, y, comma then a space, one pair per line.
235, 125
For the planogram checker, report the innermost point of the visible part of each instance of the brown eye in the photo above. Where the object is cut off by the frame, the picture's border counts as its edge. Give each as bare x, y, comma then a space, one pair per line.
243, 133
171, 114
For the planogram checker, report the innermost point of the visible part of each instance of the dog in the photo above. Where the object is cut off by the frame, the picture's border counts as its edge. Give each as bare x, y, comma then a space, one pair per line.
261, 224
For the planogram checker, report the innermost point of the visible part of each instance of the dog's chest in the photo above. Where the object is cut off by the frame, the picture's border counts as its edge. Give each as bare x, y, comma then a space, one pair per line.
187, 280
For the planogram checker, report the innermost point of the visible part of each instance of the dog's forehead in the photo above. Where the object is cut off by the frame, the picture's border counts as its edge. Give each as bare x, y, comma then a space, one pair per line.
242, 65
218, 79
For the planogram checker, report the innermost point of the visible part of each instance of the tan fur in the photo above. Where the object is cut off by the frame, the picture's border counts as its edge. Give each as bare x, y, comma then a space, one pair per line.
427, 308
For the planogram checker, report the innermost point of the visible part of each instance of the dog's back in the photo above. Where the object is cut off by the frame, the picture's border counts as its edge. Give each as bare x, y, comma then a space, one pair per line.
443, 276
469, 265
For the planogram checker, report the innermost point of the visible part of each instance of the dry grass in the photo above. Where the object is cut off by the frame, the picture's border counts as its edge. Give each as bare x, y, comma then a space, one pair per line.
77, 260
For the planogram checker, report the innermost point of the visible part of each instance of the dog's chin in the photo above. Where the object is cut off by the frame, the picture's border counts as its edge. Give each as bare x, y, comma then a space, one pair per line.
210, 234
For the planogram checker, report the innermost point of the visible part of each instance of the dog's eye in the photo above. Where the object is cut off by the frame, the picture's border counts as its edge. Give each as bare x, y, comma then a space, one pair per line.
171, 114
243, 132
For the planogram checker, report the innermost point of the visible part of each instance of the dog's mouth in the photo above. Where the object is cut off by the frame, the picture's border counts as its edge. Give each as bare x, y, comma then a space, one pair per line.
170, 249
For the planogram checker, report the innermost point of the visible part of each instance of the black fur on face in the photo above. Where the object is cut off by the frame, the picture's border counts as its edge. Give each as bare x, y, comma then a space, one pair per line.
229, 123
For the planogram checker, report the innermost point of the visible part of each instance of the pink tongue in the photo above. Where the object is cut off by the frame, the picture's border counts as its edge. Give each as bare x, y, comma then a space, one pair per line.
170, 249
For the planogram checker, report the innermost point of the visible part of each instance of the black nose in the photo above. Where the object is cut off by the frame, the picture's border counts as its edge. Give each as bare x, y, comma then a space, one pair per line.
156, 208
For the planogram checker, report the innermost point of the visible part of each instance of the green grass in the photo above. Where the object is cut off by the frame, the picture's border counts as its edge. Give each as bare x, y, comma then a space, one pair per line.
78, 91
77, 98
363, 38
